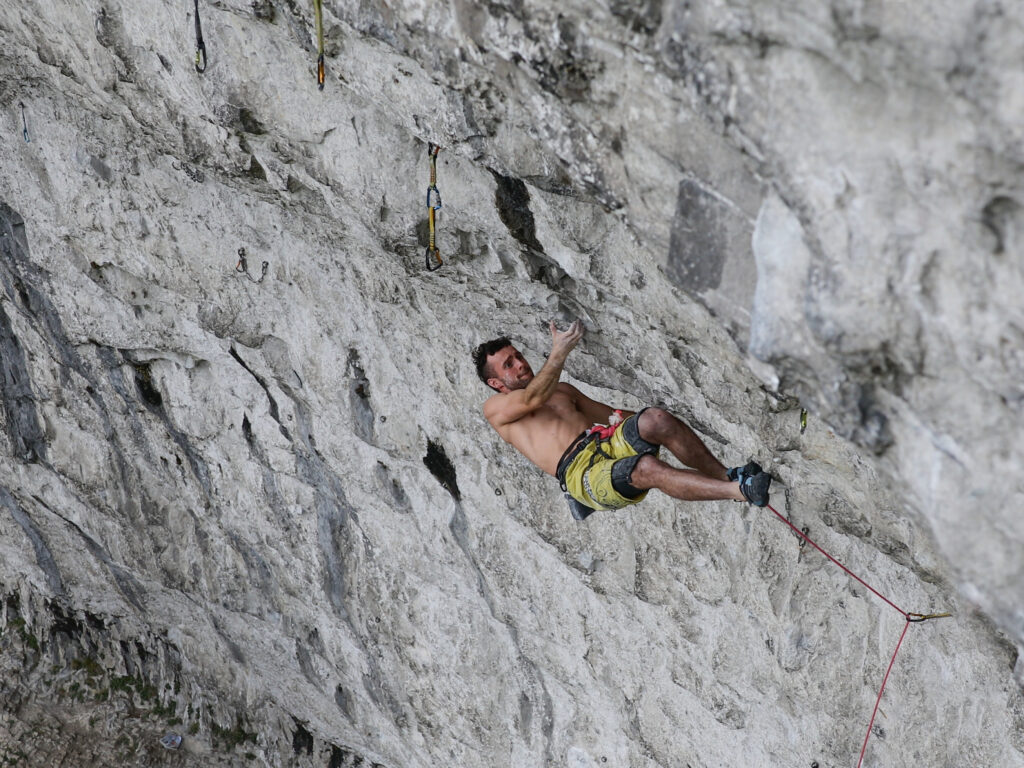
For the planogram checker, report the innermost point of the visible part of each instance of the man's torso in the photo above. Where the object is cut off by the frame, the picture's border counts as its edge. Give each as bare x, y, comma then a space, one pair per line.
543, 435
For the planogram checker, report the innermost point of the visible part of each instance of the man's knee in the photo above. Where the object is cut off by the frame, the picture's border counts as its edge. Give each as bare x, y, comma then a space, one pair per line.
645, 473
656, 424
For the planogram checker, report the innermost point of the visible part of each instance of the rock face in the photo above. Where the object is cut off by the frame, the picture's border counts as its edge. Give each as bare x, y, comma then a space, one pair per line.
259, 506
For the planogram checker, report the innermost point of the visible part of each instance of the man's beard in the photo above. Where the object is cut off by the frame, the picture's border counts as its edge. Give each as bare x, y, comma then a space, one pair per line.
515, 384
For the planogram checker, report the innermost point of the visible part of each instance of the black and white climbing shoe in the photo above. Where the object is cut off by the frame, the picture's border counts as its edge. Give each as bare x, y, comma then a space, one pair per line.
739, 474
755, 488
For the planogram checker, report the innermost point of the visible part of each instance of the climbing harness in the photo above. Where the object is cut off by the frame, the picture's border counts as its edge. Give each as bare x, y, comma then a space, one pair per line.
242, 267
200, 45
433, 255
24, 121
600, 435
803, 420
320, 73
910, 618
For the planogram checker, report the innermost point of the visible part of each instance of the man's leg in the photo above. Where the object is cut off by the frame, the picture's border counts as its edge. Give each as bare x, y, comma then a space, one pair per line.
684, 484
662, 428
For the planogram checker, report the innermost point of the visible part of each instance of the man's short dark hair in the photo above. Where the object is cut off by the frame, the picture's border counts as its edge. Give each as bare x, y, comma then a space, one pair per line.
484, 351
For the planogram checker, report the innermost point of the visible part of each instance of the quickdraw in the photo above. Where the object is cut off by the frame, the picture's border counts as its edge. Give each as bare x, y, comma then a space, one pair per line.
242, 267
200, 45
803, 420
917, 618
433, 255
24, 121
320, 71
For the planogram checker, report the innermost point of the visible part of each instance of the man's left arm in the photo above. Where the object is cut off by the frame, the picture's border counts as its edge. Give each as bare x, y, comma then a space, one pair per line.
596, 412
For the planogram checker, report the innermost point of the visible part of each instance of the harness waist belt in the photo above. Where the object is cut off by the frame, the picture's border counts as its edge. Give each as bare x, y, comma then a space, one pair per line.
577, 445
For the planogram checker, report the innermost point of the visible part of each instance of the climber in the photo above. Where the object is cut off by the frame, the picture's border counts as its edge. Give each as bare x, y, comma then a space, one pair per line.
603, 458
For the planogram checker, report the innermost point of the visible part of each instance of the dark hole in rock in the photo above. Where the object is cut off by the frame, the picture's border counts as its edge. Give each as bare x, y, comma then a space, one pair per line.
263, 10
65, 623
255, 169
998, 216
512, 200
147, 390
441, 467
249, 122
302, 740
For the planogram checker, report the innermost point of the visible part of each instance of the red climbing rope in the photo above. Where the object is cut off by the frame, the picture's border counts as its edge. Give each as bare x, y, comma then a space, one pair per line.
880, 692
910, 618
804, 536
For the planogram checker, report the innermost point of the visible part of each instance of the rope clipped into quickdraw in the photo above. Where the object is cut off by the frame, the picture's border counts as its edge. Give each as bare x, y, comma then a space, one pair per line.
24, 121
242, 267
200, 45
433, 255
320, 71
911, 618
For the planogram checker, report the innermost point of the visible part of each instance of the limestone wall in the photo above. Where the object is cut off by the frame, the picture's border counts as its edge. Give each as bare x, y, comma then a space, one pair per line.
268, 514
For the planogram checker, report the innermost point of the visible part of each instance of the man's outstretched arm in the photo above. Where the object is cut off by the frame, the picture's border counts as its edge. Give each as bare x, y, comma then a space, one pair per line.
511, 406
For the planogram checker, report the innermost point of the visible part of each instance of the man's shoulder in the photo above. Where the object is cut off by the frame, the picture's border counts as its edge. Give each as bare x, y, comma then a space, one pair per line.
504, 408
493, 403
495, 398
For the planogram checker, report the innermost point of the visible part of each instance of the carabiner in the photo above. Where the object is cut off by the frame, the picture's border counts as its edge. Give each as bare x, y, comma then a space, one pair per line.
919, 617
433, 191
24, 121
320, 73
433, 258
200, 45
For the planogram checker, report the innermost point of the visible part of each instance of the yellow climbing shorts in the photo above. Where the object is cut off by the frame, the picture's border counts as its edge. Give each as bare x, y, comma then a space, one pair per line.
597, 472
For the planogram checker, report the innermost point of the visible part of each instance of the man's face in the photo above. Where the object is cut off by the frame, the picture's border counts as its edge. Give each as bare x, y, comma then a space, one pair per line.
509, 370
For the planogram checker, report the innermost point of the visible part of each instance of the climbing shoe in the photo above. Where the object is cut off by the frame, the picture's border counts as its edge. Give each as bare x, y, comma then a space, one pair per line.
579, 510
738, 474
755, 488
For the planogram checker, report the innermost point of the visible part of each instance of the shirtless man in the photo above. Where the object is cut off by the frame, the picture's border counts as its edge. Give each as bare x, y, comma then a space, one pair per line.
555, 426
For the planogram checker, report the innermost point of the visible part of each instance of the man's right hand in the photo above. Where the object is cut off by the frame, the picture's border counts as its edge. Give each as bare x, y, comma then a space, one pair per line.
563, 342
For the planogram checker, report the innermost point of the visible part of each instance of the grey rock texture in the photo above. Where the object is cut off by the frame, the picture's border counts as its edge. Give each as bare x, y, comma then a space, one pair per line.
268, 515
